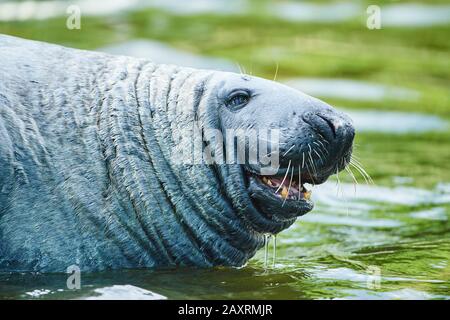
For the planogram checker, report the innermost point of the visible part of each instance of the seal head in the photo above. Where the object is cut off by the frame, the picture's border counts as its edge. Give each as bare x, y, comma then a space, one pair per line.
314, 142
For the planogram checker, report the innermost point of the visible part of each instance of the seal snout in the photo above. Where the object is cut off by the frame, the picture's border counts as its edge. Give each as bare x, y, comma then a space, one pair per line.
322, 143
316, 143
334, 127
331, 125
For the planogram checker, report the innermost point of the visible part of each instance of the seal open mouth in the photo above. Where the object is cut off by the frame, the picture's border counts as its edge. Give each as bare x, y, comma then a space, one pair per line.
281, 197
284, 188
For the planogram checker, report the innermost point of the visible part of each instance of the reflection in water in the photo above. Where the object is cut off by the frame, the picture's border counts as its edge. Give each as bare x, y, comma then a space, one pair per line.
124, 292
402, 294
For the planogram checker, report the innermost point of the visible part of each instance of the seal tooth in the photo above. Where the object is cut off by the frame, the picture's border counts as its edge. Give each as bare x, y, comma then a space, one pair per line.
307, 195
284, 192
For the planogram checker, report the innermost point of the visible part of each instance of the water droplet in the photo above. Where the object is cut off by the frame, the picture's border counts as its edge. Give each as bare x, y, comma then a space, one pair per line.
266, 249
274, 253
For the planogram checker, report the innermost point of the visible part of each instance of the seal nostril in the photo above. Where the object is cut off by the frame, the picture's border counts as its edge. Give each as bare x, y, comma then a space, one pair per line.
330, 124
321, 124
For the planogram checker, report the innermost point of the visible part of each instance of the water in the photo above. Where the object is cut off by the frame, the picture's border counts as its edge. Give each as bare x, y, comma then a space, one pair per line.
124, 292
395, 122
310, 12
415, 15
377, 243
363, 91
163, 53
24, 10
351, 89
266, 249
393, 15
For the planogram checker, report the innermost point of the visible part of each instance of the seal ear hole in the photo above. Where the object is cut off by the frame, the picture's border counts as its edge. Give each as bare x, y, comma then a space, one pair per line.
237, 99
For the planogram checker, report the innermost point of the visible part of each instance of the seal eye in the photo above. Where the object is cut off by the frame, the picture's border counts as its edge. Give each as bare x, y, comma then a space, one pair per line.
238, 100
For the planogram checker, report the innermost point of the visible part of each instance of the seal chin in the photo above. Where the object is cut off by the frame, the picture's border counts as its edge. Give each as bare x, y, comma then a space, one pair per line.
279, 197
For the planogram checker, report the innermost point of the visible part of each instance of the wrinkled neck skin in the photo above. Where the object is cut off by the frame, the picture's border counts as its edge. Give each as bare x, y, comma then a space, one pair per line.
191, 214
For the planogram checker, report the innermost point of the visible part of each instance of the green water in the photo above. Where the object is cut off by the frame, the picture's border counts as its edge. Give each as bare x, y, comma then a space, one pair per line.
390, 240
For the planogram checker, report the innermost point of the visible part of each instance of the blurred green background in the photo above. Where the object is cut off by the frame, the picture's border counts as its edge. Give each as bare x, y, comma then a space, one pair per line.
394, 82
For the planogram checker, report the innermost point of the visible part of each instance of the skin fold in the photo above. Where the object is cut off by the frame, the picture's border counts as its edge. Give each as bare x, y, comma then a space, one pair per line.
87, 168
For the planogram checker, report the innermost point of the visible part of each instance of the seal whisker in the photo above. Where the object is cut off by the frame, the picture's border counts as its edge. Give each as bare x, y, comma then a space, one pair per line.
357, 169
320, 157
323, 147
289, 188
309, 172
241, 69
338, 182
311, 160
359, 166
284, 154
276, 72
245, 71
287, 171
299, 182
322, 153
363, 174
323, 139
355, 160
350, 172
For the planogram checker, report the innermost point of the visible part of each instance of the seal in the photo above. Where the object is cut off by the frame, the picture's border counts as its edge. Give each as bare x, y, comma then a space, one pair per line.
93, 169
